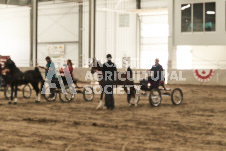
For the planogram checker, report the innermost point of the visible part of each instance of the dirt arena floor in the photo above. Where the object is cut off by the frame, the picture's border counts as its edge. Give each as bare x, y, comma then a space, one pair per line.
199, 123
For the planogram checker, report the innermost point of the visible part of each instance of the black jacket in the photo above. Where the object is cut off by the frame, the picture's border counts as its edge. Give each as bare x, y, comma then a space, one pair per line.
158, 72
109, 68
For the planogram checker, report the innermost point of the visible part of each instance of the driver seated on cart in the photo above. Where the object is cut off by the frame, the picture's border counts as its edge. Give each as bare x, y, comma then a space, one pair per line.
50, 73
157, 77
67, 70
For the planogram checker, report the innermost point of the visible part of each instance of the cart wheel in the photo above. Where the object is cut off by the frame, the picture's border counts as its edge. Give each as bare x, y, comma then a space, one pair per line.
27, 91
177, 96
7, 92
67, 96
155, 97
49, 95
88, 93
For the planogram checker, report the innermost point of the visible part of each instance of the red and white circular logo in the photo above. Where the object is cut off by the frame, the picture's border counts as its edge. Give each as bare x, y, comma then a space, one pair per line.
204, 75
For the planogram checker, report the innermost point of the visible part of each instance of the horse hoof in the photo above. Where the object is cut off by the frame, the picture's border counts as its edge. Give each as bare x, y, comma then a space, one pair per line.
9, 103
37, 102
99, 107
135, 104
15, 103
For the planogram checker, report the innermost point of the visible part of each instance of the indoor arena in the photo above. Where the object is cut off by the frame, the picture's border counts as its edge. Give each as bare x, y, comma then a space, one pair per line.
112, 75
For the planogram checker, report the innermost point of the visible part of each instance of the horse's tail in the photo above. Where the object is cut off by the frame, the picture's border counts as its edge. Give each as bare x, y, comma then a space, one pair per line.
39, 74
130, 72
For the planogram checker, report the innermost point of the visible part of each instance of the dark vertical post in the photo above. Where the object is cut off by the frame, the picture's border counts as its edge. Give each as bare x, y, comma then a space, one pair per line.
94, 28
31, 35
80, 58
36, 31
34, 36
138, 4
90, 28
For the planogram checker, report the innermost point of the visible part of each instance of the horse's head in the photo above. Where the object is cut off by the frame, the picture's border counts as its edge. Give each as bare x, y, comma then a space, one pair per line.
10, 66
96, 66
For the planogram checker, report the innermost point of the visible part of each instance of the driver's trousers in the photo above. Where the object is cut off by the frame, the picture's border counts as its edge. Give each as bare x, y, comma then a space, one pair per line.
109, 97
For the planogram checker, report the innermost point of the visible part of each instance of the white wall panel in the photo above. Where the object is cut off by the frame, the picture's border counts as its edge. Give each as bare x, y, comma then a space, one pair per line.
85, 29
147, 4
71, 52
154, 40
110, 38
15, 34
58, 24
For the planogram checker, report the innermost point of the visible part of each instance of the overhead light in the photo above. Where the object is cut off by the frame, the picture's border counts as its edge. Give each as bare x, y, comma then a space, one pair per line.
211, 12
185, 7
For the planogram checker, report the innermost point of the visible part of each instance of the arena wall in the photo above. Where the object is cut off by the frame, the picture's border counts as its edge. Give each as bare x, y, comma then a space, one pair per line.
15, 33
218, 77
58, 24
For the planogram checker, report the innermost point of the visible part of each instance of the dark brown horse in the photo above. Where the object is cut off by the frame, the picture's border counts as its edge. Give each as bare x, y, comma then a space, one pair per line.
124, 79
14, 77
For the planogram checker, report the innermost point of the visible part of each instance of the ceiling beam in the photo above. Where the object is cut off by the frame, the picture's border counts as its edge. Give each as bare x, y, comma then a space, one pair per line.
15, 2
28, 2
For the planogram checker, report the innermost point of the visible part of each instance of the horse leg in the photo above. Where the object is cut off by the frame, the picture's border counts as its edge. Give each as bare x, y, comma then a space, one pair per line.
15, 99
132, 94
11, 97
163, 85
37, 90
128, 95
101, 100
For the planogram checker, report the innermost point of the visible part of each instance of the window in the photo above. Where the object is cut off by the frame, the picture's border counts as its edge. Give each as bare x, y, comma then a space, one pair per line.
186, 18
198, 17
124, 20
210, 15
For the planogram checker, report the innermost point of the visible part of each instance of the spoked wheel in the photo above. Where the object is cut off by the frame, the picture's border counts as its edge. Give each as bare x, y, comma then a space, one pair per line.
27, 91
50, 94
88, 93
68, 96
177, 96
155, 97
7, 92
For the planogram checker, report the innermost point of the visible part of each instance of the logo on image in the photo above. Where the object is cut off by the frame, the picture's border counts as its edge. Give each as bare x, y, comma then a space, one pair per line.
204, 75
